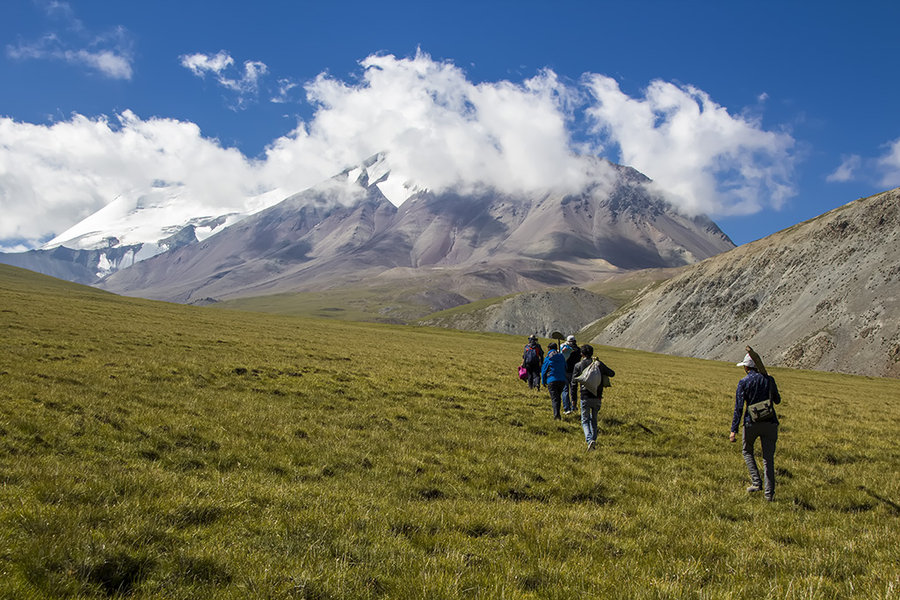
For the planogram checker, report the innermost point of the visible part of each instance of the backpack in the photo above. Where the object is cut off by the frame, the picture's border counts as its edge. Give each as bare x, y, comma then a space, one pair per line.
763, 410
592, 378
531, 359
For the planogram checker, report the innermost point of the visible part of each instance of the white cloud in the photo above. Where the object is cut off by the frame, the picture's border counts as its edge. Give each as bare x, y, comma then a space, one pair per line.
703, 157
107, 62
889, 165
108, 53
847, 170
283, 95
883, 171
53, 176
245, 85
15, 247
201, 64
64, 9
440, 128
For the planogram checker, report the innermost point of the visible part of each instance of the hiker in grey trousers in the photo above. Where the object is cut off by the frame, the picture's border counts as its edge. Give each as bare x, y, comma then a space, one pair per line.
590, 402
752, 389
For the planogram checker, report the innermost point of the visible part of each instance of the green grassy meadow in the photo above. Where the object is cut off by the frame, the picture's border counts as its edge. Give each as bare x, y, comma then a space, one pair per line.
151, 450
387, 304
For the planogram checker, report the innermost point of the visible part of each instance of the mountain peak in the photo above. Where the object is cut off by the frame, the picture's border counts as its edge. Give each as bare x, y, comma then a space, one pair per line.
377, 170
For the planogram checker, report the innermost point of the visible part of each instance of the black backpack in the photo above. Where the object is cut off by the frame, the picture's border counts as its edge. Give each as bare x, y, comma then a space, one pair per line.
531, 358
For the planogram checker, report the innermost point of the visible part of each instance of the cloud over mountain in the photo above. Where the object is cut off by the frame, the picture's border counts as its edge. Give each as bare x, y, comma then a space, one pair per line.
441, 129
703, 157
53, 176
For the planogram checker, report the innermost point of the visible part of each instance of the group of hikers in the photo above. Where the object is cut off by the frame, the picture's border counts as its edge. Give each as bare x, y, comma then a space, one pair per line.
568, 369
562, 371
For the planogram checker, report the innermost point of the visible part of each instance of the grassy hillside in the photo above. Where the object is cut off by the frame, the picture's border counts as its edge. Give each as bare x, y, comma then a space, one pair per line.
164, 451
408, 302
366, 303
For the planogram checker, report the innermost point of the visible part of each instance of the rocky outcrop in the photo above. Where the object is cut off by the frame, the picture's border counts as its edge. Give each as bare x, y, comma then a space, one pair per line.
824, 294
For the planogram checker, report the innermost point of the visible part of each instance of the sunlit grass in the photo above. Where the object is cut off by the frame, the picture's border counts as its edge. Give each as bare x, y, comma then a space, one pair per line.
156, 450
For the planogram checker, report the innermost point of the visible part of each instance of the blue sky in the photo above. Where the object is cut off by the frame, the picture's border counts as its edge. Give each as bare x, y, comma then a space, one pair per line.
760, 114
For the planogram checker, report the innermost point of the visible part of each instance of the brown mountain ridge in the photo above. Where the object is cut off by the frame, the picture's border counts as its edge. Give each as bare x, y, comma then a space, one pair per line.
823, 294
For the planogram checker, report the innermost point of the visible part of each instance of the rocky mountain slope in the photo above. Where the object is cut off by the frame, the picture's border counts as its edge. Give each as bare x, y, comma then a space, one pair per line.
555, 309
474, 244
824, 294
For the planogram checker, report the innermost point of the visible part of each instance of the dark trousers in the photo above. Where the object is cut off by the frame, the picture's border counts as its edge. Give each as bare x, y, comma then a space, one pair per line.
556, 389
533, 378
768, 436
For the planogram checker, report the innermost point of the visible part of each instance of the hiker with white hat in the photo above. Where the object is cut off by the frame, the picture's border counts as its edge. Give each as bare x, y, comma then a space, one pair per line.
754, 405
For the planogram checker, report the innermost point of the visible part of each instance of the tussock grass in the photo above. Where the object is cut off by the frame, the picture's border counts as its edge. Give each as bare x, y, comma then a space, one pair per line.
153, 450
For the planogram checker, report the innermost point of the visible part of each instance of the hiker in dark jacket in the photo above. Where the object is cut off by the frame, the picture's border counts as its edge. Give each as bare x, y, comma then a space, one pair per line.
590, 402
572, 353
754, 388
553, 374
532, 360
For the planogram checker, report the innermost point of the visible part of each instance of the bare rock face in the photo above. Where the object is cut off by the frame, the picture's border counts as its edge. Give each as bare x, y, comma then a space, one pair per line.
824, 294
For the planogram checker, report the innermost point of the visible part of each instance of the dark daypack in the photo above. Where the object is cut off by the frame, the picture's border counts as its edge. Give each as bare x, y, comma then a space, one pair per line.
531, 358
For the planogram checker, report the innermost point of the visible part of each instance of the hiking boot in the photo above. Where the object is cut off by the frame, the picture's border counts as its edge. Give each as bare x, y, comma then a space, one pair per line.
754, 488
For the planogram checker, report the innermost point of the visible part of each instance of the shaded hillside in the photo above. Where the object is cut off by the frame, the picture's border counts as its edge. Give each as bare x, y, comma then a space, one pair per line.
90, 265
566, 310
824, 294
62, 263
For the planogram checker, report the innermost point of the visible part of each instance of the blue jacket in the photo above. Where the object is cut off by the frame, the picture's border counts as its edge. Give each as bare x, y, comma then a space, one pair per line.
752, 389
554, 368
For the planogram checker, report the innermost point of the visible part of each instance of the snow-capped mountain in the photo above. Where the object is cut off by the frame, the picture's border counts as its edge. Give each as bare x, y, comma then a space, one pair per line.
466, 244
370, 223
143, 224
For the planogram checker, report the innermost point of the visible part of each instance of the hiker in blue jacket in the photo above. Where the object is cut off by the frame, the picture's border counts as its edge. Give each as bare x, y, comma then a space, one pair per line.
752, 389
553, 374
